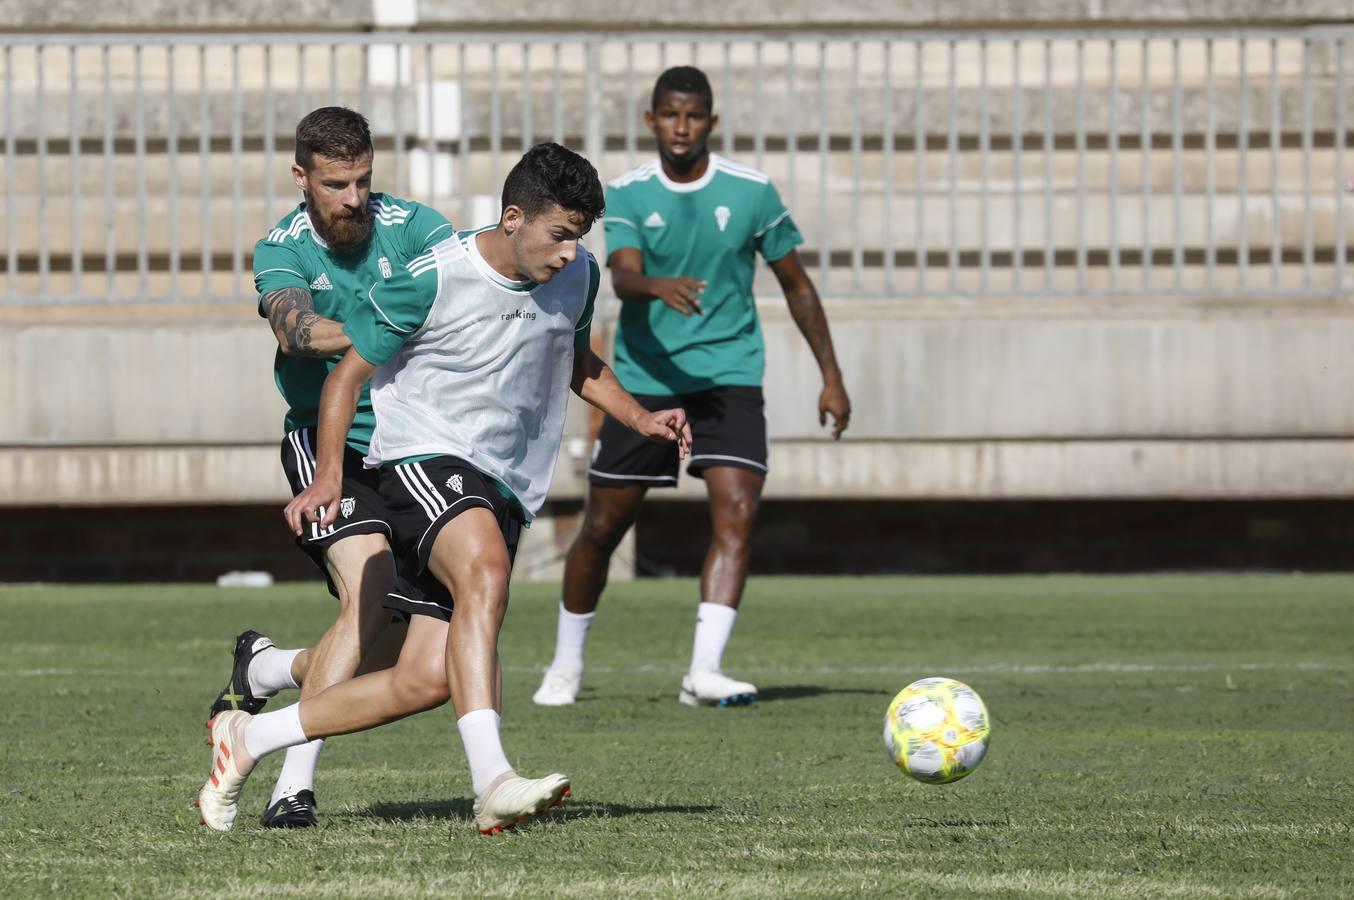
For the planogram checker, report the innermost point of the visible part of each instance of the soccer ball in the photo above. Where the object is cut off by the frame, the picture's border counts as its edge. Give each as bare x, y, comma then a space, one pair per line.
936, 730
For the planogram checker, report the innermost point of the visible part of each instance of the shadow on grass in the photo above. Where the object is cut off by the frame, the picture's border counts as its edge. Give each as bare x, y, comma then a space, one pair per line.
803, 691
463, 809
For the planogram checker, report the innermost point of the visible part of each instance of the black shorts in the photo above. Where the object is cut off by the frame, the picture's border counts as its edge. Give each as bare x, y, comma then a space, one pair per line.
422, 498
728, 428
361, 511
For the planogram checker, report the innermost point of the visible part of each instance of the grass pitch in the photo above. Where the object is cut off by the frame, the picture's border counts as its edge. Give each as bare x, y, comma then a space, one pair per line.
1153, 737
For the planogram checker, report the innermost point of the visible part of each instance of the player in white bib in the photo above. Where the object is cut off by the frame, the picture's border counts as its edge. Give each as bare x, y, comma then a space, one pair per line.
471, 350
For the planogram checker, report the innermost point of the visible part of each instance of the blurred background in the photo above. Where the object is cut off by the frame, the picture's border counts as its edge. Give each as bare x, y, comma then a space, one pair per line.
1086, 264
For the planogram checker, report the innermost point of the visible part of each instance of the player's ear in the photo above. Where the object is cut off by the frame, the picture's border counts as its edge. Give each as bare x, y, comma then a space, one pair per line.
648, 118
512, 219
298, 175
714, 120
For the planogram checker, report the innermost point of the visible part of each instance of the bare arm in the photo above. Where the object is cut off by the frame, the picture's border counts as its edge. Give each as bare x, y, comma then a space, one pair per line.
338, 406
807, 310
299, 330
633, 286
594, 381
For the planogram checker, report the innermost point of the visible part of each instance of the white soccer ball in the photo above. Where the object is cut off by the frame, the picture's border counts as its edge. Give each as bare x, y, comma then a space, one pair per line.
937, 730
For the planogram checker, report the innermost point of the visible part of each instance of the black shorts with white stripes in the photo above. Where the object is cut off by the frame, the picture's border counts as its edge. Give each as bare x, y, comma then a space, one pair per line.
422, 497
728, 428
361, 510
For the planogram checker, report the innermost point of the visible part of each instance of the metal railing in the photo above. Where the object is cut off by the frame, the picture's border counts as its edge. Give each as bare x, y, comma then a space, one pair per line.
142, 168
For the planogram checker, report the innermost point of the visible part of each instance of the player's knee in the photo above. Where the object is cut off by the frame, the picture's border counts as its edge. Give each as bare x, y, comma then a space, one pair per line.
422, 684
603, 531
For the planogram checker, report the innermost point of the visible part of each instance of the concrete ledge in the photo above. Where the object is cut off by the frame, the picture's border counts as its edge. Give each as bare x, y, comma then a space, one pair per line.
860, 470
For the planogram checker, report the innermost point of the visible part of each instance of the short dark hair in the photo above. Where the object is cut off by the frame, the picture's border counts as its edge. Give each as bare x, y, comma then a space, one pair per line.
684, 80
333, 132
550, 175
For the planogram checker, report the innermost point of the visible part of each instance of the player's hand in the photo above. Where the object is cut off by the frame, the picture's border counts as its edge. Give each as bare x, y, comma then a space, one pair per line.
667, 425
318, 503
833, 401
682, 294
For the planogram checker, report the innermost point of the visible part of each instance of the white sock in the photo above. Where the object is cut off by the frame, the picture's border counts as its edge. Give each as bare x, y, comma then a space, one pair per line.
714, 624
571, 635
483, 749
270, 672
271, 731
298, 770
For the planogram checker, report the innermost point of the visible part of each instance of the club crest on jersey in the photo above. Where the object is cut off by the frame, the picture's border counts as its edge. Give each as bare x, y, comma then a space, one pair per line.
346, 507
722, 214
455, 483
384, 264
322, 283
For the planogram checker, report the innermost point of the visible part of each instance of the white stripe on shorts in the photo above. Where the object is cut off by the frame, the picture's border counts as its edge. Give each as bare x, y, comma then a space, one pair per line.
415, 491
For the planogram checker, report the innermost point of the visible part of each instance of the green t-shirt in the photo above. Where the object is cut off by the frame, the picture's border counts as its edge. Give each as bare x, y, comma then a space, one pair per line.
293, 255
711, 229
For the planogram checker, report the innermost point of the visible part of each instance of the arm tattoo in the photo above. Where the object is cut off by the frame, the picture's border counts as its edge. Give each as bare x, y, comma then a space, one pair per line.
291, 313
807, 311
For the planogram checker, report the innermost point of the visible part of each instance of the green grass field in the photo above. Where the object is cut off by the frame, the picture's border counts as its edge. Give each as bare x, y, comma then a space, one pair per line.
1153, 737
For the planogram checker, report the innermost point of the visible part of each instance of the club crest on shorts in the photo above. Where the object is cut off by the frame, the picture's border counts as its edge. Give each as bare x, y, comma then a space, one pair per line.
346, 507
454, 482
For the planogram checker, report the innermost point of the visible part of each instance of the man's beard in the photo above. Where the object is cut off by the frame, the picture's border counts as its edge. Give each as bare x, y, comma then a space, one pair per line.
343, 235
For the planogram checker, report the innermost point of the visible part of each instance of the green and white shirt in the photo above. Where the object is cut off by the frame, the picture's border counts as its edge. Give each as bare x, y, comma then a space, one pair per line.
293, 255
474, 365
710, 229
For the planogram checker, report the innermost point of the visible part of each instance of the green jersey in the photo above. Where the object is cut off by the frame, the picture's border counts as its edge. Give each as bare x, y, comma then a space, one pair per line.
710, 229
293, 255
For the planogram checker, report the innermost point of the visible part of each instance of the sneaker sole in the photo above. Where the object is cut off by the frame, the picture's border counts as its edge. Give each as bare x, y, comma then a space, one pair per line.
687, 698
558, 803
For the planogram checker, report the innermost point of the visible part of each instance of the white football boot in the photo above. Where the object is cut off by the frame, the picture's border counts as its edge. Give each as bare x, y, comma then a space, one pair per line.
557, 688
515, 799
715, 689
218, 801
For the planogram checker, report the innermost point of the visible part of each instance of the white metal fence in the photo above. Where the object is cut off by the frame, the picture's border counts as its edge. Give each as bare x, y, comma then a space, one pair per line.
141, 168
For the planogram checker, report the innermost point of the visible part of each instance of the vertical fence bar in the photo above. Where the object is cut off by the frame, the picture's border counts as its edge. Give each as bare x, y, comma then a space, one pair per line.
759, 98
791, 122
172, 160
110, 246
1243, 140
1308, 227
11, 233
594, 140
269, 138
919, 161
463, 133
1048, 164
732, 120
1177, 177
1080, 137
1017, 145
40, 125
1341, 241
886, 153
430, 112
364, 92
1210, 169
142, 219
952, 167
857, 251
397, 92
984, 177
496, 119
204, 180
824, 220
1145, 148
301, 109
1275, 138
558, 92
528, 104
335, 99
631, 108
77, 220
236, 184
1113, 139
